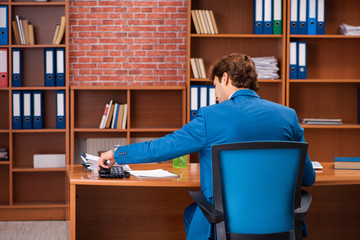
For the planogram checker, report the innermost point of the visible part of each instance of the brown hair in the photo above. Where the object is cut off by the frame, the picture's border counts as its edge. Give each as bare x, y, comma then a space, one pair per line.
240, 68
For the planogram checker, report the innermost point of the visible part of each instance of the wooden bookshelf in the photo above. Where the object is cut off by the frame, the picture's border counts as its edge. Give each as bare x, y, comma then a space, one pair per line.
236, 35
331, 87
153, 112
28, 193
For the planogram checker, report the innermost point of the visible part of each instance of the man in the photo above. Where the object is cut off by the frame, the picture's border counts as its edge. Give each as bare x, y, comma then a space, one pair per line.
241, 115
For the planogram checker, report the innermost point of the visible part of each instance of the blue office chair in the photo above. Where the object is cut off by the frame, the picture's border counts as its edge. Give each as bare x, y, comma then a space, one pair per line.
257, 191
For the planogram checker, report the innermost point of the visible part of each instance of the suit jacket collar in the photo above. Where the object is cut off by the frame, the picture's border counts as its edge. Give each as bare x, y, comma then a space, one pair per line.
244, 92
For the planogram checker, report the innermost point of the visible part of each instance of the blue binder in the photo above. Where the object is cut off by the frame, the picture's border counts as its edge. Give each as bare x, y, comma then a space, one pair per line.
60, 67
203, 96
211, 95
258, 17
294, 17
194, 101
16, 110
302, 60
311, 17
302, 28
16, 67
4, 26
320, 24
27, 109
49, 55
60, 109
293, 61
37, 109
268, 28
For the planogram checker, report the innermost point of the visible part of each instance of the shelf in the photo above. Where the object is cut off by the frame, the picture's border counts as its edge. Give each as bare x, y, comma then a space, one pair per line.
39, 88
153, 129
235, 35
324, 36
38, 46
118, 88
31, 169
45, 204
343, 126
53, 130
98, 130
37, 3
324, 80
4, 162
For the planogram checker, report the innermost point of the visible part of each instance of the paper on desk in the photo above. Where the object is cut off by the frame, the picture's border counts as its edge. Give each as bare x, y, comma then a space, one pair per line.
316, 165
91, 161
157, 173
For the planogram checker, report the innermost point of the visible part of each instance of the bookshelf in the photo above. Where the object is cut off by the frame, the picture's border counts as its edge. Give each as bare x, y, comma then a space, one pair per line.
28, 193
236, 34
153, 112
331, 87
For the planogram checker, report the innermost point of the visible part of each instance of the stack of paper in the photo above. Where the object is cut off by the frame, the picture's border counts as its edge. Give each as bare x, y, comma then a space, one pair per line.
346, 29
157, 173
266, 67
322, 121
90, 162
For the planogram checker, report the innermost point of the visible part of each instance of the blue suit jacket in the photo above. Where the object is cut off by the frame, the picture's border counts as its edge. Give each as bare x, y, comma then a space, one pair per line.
244, 117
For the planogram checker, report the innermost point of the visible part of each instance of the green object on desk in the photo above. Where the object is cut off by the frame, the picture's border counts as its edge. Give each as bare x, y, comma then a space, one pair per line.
180, 162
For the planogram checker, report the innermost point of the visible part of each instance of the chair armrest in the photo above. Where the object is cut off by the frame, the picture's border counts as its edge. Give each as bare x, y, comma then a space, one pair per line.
212, 215
300, 212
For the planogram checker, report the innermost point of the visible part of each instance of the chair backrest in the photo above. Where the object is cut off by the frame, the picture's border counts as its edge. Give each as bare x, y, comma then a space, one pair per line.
258, 185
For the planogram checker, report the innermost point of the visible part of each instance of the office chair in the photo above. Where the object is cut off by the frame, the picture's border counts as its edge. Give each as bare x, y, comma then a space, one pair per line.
257, 191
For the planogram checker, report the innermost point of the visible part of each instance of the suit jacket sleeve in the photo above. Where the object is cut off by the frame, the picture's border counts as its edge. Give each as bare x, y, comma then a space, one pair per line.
190, 138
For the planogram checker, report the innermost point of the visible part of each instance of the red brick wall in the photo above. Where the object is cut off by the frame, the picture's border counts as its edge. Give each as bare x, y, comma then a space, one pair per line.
130, 42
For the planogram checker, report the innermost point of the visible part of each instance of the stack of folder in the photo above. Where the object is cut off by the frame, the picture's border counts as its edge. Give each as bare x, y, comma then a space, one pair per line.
27, 109
307, 17
4, 155
198, 68
297, 61
346, 29
204, 22
23, 31
347, 163
4, 26
266, 67
54, 67
115, 116
268, 17
322, 121
201, 96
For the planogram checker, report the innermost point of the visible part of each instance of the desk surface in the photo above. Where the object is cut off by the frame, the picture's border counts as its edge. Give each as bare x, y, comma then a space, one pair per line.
190, 176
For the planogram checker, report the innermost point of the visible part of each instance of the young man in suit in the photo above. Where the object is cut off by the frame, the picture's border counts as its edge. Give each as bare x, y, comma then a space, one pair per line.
241, 115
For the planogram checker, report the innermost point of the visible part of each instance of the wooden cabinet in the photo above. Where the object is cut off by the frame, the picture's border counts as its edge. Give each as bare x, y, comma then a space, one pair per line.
29, 193
153, 112
331, 87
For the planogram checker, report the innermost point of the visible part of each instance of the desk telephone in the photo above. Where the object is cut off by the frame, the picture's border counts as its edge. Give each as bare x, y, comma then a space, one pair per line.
113, 172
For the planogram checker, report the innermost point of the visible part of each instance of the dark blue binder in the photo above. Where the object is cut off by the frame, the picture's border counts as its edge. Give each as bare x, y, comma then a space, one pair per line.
37, 109
311, 17
302, 28
302, 55
294, 16
60, 67
16, 110
4, 26
293, 60
16, 67
258, 16
194, 101
27, 109
268, 20
60, 109
49, 62
320, 24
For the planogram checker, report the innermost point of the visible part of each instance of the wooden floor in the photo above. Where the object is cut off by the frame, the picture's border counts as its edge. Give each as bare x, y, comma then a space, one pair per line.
33, 230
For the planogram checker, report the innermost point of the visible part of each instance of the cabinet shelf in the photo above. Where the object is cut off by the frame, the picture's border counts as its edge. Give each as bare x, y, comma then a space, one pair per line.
324, 81
38, 3
98, 130
324, 36
205, 80
40, 204
4, 162
235, 35
39, 88
53, 130
343, 126
38, 46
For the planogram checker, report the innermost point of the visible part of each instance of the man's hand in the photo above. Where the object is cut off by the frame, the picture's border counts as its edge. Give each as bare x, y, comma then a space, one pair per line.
103, 158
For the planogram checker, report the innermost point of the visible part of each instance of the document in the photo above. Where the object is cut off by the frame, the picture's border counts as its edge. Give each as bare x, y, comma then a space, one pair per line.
90, 162
157, 173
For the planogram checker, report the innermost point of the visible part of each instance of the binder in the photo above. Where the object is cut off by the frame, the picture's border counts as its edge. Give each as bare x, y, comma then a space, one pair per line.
212, 95
16, 67
302, 17
259, 17
277, 17
60, 67
4, 68
203, 96
294, 17
27, 109
4, 26
16, 110
268, 17
293, 60
320, 23
194, 101
311, 17
49, 54
37, 109
301, 60
60, 109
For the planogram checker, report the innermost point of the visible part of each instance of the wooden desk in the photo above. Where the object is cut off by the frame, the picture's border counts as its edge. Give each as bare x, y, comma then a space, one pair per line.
130, 208
153, 208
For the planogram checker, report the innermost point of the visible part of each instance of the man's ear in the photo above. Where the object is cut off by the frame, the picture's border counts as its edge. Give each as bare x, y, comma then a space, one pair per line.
225, 78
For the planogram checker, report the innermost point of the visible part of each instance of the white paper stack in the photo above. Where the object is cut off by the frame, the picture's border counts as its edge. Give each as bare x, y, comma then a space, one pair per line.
49, 160
322, 121
90, 161
346, 29
266, 67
